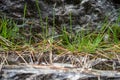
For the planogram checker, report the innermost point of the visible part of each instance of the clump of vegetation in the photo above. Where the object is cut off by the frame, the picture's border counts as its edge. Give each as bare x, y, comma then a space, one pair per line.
9, 33
88, 42
8, 29
82, 41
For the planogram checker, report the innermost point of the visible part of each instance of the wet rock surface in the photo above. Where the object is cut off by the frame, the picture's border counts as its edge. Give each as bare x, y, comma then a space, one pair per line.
88, 14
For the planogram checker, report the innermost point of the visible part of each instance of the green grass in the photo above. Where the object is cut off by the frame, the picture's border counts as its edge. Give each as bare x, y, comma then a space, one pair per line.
114, 32
9, 33
8, 29
82, 41
88, 42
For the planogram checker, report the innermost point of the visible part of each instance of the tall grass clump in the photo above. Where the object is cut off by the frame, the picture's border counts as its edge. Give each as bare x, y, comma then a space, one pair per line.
45, 31
114, 33
91, 41
8, 29
83, 41
9, 33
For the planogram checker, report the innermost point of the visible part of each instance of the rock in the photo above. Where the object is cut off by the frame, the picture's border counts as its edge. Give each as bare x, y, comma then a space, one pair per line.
54, 73
88, 14
26, 66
